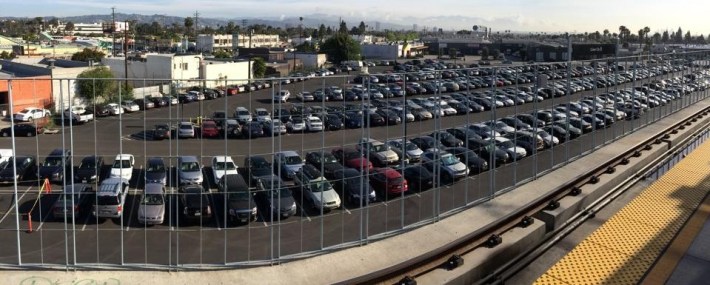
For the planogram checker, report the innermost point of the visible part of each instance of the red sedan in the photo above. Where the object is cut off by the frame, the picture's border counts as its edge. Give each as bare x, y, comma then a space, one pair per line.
209, 129
352, 158
388, 182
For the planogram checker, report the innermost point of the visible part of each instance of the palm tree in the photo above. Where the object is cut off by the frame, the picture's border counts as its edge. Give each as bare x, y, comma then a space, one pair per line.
606, 33
188, 25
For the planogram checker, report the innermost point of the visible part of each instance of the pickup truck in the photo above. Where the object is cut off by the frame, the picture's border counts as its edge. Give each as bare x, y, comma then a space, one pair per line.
78, 114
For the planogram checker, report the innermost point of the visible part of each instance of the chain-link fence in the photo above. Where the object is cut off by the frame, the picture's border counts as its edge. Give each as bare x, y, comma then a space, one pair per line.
277, 169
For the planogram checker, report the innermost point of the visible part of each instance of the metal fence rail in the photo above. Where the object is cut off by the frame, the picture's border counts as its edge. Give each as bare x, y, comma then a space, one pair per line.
622, 95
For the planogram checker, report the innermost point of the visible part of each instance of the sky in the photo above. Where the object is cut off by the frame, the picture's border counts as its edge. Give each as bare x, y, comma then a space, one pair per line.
515, 15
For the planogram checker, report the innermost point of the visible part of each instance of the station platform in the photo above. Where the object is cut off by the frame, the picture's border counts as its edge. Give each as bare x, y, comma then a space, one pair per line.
661, 237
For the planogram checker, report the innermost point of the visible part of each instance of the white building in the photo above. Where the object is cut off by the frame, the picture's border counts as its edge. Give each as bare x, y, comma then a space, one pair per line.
184, 70
92, 28
210, 43
389, 51
258, 40
309, 60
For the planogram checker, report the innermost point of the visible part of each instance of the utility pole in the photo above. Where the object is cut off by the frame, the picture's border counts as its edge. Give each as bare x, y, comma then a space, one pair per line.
125, 54
113, 31
195, 28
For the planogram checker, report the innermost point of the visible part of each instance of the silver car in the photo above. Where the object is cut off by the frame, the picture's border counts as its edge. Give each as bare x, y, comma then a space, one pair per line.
189, 170
186, 130
151, 210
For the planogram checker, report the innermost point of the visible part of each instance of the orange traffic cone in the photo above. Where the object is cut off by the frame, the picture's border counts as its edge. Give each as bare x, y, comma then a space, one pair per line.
29, 223
47, 186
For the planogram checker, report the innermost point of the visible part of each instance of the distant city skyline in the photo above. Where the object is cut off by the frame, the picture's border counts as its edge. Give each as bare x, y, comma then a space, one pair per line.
514, 15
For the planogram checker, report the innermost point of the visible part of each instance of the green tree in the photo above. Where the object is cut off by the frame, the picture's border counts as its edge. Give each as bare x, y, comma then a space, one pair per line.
88, 54
341, 47
362, 28
688, 38
7, 55
453, 52
679, 36
665, 37
96, 85
222, 54
495, 54
188, 23
69, 27
485, 53
258, 67
343, 28
306, 47
321, 31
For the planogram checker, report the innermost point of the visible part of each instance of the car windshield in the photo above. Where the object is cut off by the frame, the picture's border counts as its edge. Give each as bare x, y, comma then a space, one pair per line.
243, 113
449, 160
282, 192
501, 125
122, 163
155, 167
238, 196
293, 160
190, 166
296, 120
185, 126
222, 165
380, 148
319, 186
506, 144
25, 111
53, 161
260, 164
152, 199
90, 164
329, 158
411, 146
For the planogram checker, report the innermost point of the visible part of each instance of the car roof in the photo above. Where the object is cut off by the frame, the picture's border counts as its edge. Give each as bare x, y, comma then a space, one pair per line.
155, 160
187, 158
59, 152
389, 172
287, 153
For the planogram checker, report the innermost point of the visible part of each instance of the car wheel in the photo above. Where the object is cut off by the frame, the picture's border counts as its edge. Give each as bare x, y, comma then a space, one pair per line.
5, 134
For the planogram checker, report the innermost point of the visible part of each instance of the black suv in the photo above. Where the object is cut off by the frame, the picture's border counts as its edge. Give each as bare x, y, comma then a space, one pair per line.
55, 165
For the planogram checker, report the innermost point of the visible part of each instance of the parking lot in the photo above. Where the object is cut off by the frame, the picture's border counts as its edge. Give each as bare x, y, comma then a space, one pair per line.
212, 240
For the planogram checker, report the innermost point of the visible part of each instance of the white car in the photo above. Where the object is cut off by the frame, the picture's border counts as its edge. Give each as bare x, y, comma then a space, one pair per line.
262, 115
509, 146
130, 106
123, 166
378, 152
305, 96
282, 96
186, 130
297, 124
77, 110
313, 124
222, 165
114, 109
29, 114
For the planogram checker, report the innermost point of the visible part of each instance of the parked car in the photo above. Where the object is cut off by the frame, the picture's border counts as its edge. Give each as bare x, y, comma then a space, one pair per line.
161, 132
185, 130
155, 171
114, 109
144, 104
151, 210
130, 106
406, 149
26, 168
379, 153
222, 165
189, 170
353, 187
474, 163
110, 198
123, 167
21, 130
287, 164
73, 202
352, 158
240, 201
388, 183
282, 96
195, 203
55, 165
418, 177
252, 129
315, 190
89, 170
256, 166
275, 198
31, 114
325, 162
313, 124
446, 164
209, 129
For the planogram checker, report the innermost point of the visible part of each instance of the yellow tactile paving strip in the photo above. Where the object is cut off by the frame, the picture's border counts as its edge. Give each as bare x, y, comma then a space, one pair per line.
625, 247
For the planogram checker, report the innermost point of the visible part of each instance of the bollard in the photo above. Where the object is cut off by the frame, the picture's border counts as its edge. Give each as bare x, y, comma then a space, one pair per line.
29, 223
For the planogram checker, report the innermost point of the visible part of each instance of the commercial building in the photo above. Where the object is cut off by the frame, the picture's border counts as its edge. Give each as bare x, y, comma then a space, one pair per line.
212, 42
391, 50
308, 59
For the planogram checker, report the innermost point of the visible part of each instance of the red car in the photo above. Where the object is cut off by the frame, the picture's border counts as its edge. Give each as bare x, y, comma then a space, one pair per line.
209, 129
388, 182
352, 158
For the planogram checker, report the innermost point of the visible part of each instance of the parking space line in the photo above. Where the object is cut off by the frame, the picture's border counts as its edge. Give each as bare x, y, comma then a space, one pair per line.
347, 211
13, 205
